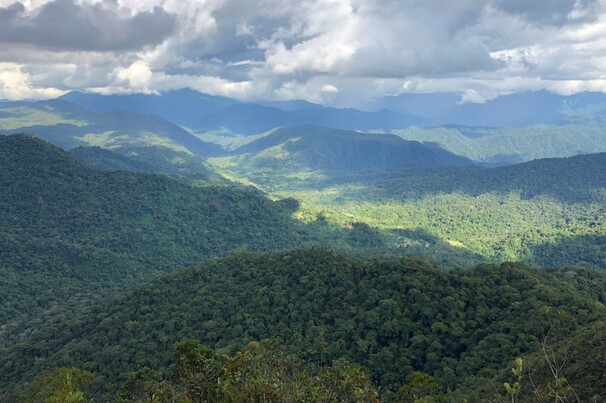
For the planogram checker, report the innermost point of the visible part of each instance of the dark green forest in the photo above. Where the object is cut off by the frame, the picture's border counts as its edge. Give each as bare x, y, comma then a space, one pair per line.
69, 233
392, 317
123, 285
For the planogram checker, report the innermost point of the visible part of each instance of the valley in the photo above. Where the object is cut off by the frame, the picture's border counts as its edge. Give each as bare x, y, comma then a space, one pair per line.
354, 248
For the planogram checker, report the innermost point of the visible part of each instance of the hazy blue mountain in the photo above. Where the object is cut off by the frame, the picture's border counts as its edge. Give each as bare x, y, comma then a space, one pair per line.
292, 105
428, 106
515, 110
255, 118
183, 107
204, 112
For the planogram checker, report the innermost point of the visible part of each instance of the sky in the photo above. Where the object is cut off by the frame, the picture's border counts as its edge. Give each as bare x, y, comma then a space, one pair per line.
334, 52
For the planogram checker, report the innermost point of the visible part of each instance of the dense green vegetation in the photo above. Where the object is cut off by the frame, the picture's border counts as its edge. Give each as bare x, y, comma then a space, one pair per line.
90, 306
69, 232
303, 152
150, 139
507, 145
263, 372
392, 317
550, 212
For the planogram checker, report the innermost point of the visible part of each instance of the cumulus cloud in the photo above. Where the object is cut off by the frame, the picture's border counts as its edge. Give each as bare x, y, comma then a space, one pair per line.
341, 52
17, 84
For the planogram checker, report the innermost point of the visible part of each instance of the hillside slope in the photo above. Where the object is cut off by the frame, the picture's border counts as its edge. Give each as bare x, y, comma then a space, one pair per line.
69, 232
311, 152
506, 145
68, 125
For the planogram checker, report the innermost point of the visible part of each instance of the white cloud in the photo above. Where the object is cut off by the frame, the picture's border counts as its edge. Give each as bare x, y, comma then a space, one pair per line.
138, 76
16, 84
337, 51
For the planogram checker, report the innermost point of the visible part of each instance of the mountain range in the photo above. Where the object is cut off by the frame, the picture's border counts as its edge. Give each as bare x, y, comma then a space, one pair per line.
203, 112
521, 109
95, 241
184, 126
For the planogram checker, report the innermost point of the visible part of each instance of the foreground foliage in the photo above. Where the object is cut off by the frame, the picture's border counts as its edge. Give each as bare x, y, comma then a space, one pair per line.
261, 373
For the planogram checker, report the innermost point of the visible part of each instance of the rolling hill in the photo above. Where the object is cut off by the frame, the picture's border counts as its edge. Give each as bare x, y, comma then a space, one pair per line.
506, 145
68, 126
309, 152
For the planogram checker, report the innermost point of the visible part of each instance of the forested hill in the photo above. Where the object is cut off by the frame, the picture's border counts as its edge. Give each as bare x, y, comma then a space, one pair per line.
574, 179
147, 139
69, 232
390, 316
507, 145
320, 148
147, 159
313, 152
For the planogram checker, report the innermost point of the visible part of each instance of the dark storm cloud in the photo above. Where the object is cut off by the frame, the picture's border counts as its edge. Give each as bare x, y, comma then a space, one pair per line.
68, 25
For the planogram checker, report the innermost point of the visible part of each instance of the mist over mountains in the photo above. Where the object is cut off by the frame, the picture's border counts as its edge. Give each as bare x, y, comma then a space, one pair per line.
199, 111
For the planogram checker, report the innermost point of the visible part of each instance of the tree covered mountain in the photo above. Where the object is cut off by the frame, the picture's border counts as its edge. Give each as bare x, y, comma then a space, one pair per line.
506, 145
581, 178
69, 233
68, 125
311, 151
392, 317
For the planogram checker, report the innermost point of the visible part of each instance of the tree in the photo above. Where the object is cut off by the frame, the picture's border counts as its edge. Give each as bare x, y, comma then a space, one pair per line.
420, 387
63, 385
